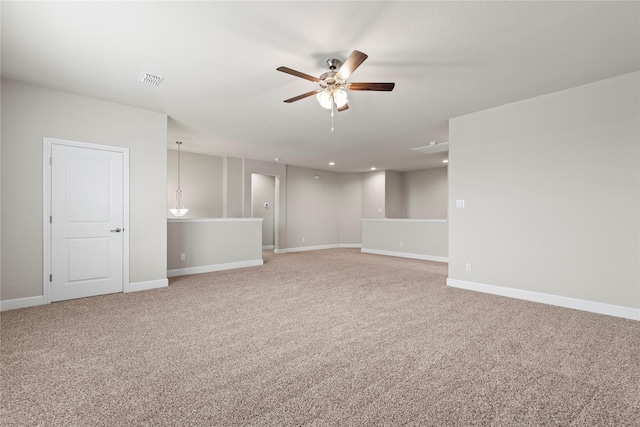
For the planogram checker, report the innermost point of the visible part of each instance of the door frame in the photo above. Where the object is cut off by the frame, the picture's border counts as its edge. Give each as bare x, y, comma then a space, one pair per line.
276, 207
47, 144
280, 172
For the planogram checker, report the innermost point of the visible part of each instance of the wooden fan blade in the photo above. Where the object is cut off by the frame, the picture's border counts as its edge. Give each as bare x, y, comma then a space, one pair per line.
371, 86
350, 64
298, 74
299, 97
344, 107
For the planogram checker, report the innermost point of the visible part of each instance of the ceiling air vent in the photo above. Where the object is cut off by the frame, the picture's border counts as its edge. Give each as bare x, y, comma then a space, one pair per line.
151, 79
433, 148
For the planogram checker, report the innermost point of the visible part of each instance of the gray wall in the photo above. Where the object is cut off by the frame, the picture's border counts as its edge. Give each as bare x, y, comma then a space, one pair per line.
232, 187
393, 194
414, 238
350, 209
211, 242
201, 179
312, 207
373, 194
30, 113
425, 194
551, 188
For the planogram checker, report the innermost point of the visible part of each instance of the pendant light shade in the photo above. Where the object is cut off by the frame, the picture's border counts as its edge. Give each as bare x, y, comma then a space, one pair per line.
178, 208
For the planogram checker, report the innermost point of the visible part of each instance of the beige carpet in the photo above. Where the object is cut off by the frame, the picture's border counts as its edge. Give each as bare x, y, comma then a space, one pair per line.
324, 338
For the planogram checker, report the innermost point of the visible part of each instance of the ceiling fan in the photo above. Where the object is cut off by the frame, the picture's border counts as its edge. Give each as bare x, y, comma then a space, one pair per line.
333, 84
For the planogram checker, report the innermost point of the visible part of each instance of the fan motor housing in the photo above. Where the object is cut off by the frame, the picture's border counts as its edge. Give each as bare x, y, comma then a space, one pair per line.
328, 79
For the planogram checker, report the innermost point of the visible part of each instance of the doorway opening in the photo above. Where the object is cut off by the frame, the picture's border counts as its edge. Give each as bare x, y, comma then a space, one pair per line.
263, 205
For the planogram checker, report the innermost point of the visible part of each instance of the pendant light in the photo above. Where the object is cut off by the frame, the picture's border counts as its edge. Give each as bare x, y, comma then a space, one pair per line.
178, 208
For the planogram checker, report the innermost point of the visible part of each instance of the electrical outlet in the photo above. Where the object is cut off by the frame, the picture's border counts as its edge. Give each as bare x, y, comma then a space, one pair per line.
402, 244
467, 266
304, 240
183, 257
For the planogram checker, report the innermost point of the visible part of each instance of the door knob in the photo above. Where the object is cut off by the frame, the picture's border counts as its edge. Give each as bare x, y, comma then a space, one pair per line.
117, 230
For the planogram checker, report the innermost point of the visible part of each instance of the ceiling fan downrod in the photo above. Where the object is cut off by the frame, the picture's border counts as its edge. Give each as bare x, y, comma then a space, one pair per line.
334, 64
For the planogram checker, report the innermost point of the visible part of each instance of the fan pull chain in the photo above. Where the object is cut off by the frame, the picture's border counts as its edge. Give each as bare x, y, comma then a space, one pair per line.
332, 108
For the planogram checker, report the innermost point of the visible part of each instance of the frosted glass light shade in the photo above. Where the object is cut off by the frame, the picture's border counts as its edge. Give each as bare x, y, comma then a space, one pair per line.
178, 212
340, 97
324, 98
328, 97
178, 208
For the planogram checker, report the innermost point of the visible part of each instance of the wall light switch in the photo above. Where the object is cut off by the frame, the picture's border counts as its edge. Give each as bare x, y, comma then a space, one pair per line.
459, 203
183, 257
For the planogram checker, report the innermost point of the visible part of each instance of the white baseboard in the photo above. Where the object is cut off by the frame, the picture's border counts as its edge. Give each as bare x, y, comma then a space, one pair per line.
12, 304
149, 284
39, 300
574, 303
406, 255
317, 248
311, 248
214, 267
267, 247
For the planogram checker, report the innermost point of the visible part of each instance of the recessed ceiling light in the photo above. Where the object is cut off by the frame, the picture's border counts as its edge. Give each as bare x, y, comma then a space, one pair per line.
150, 79
332, 163
445, 161
277, 159
373, 168
432, 143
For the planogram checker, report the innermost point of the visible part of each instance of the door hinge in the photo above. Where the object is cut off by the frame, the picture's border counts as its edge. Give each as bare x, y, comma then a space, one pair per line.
51, 160
50, 219
51, 277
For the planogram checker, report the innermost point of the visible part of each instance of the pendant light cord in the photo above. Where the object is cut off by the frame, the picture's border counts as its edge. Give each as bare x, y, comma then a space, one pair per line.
179, 144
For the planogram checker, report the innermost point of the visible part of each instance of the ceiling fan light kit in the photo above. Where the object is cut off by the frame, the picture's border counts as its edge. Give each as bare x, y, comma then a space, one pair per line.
327, 98
333, 84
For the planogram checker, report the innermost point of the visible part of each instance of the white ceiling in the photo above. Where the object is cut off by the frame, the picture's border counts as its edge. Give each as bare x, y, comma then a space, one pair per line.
223, 95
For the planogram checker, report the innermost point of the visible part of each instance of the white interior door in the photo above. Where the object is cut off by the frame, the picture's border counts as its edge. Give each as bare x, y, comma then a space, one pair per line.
87, 222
